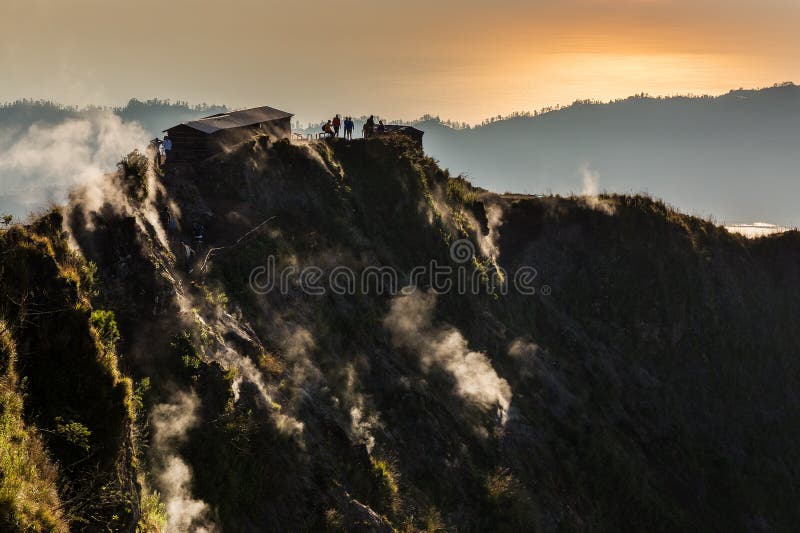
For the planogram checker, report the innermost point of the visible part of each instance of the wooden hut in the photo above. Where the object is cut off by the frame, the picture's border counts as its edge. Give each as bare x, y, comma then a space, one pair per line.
199, 139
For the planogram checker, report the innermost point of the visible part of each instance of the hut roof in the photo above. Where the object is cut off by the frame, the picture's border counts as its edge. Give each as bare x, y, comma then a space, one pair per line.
237, 119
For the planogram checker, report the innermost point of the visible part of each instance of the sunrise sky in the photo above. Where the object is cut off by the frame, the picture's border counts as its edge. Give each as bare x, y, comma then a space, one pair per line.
461, 59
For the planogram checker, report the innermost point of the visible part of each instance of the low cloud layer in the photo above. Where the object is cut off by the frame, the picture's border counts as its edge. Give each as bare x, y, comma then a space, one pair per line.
44, 163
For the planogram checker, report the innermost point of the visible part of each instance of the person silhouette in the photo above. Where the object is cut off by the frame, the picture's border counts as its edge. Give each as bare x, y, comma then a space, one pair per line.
337, 123
369, 126
328, 128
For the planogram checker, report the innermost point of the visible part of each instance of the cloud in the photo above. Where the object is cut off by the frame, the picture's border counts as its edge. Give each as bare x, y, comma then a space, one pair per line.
756, 229
44, 163
410, 323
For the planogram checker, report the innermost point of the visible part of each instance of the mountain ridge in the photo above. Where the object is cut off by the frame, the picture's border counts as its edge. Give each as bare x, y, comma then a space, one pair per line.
648, 383
732, 157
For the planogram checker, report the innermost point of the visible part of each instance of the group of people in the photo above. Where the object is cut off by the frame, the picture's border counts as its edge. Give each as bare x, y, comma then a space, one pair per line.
162, 148
371, 129
331, 128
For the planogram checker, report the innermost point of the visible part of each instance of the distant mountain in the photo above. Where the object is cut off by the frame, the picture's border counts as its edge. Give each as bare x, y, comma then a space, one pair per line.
735, 156
153, 115
46, 148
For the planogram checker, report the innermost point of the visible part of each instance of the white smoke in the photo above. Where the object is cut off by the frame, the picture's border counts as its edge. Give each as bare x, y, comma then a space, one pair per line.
494, 219
171, 423
410, 323
590, 195
526, 355
246, 369
362, 423
297, 343
43, 164
150, 209
249, 372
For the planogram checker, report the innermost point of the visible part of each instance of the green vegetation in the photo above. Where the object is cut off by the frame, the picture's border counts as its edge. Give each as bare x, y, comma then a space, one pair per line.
154, 513
186, 350
133, 170
74, 411
461, 191
659, 365
105, 325
74, 432
384, 203
389, 491
29, 498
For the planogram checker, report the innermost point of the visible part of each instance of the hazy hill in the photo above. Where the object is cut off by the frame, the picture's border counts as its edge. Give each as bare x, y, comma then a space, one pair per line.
649, 384
153, 115
735, 156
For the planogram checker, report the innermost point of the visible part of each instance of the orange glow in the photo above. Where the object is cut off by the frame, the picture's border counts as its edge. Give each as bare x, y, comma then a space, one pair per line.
464, 60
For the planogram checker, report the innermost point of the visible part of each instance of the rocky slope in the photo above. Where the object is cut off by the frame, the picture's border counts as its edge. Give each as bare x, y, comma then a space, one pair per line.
643, 376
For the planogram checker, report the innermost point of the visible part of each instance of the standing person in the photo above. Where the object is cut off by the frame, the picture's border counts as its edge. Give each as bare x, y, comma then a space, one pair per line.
337, 123
348, 128
167, 147
381, 127
156, 145
369, 126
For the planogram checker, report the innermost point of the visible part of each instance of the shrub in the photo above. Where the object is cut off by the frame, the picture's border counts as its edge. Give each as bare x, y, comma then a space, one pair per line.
500, 485
512, 508
75, 433
105, 324
215, 297
133, 173
389, 491
460, 190
186, 351
270, 364
28, 480
334, 520
137, 398
432, 520
154, 513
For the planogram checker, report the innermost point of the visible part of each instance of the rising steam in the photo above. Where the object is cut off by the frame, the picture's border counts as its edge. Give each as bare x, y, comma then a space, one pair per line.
171, 424
489, 243
362, 421
410, 323
590, 195
42, 165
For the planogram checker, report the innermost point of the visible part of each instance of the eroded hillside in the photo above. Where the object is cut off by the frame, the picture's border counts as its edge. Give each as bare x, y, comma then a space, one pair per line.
593, 363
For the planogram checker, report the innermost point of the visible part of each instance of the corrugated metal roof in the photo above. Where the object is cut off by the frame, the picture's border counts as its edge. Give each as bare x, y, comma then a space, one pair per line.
237, 119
